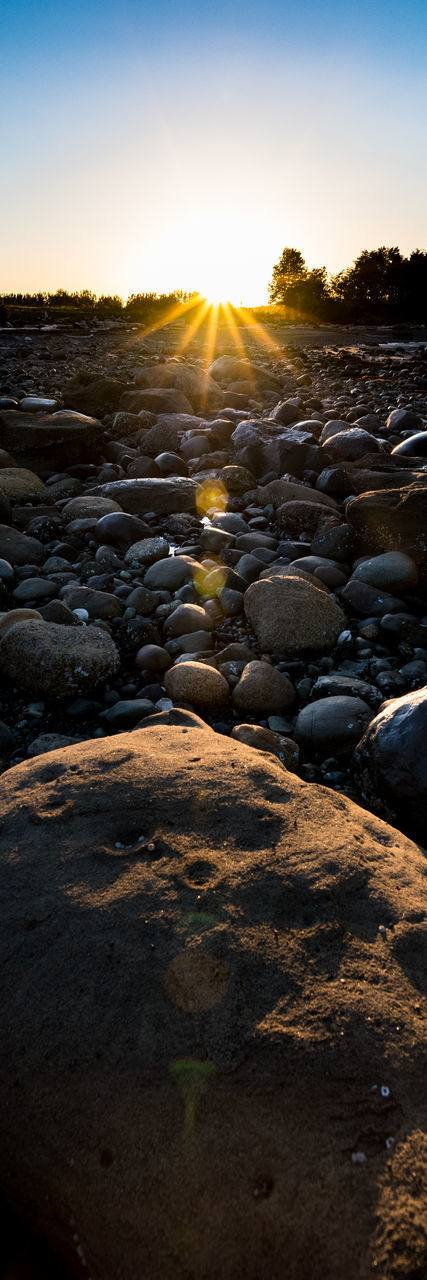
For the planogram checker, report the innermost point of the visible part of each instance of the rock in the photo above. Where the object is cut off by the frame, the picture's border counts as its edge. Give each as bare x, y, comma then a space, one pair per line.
351, 444
55, 660
340, 543
126, 714
88, 507
228, 368
32, 589
146, 552
18, 548
289, 615
52, 439
38, 404
279, 492
161, 437
7, 573
197, 384
394, 571
402, 420
170, 464
92, 395
196, 683
7, 741
58, 611
8, 620
196, 927
171, 574
333, 427
370, 602
157, 400
253, 735
49, 742
262, 690
392, 520
151, 657
332, 725
305, 517
285, 412
390, 762
142, 467
237, 479
126, 424
187, 618
120, 530
412, 447
99, 604
164, 497
19, 485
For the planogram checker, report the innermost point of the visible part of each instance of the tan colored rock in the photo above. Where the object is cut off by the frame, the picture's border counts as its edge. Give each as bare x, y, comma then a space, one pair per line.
88, 507
254, 735
289, 615
207, 966
194, 682
19, 485
56, 660
263, 690
8, 620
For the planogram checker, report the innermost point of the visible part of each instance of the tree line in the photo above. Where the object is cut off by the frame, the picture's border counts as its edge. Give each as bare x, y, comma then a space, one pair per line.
382, 286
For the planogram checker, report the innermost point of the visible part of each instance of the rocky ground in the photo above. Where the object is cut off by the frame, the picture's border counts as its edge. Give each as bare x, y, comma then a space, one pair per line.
236, 529
173, 527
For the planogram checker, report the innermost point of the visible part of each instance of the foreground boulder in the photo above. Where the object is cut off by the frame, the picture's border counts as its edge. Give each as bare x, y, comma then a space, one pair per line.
164, 497
289, 615
49, 439
391, 762
57, 660
212, 1006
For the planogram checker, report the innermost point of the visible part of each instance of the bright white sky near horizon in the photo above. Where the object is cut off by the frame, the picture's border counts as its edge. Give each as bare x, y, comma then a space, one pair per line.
154, 146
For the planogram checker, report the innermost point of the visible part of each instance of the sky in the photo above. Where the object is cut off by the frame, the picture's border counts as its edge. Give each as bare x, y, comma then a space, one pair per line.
149, 145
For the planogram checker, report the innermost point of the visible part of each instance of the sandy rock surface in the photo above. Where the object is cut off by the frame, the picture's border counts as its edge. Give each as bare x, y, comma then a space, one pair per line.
213, 1003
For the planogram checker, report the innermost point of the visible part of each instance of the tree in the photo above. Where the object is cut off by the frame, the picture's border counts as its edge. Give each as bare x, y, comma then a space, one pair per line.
374, 281
289, 271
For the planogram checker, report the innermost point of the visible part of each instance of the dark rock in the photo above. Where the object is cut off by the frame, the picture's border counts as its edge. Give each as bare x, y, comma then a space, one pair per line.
161, 496
390, 762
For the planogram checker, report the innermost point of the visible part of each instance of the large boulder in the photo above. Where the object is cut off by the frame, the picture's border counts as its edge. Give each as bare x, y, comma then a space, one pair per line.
156, 400
212, 1012
56, 660
290, 615
49, 440
390, 762
392, 520
196, 383
164, 497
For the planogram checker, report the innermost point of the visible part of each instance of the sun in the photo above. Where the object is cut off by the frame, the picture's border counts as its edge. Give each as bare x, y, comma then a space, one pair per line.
217, 298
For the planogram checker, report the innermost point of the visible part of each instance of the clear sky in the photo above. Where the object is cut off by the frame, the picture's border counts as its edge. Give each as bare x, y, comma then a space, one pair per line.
161, 144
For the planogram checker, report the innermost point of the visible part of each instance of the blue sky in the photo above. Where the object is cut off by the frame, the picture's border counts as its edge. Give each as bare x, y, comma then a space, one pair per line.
154, 146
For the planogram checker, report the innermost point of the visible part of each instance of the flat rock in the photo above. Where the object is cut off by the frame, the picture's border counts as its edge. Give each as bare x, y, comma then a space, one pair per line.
290, 615
198, 386
194, 981
164, 497
57, 660
99, 604
54, 438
